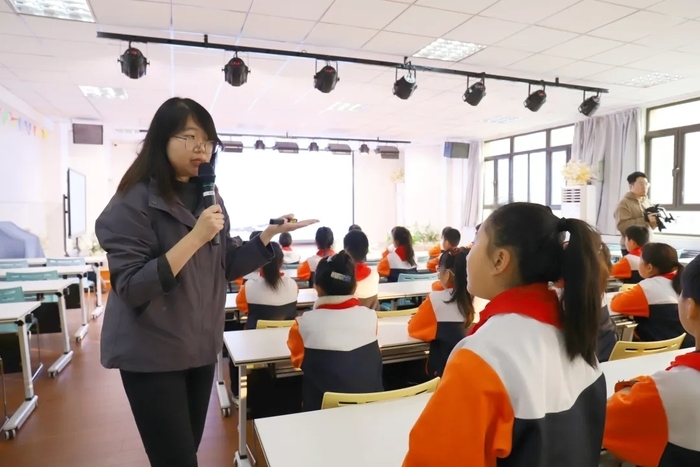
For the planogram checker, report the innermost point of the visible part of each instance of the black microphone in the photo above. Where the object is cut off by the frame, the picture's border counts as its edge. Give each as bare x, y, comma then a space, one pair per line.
206, 179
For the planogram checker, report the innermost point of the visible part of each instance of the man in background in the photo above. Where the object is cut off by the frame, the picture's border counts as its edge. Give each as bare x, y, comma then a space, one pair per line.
630, 209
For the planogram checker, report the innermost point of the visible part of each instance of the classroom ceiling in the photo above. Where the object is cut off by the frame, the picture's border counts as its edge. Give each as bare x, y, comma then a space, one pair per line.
597, 43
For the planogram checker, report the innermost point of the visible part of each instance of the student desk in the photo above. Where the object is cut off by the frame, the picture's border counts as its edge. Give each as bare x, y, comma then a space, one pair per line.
16, 313
269, 346
64, 271
377, 433
55, 287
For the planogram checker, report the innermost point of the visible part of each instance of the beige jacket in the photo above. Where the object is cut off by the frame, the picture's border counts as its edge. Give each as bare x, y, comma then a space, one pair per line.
629, 212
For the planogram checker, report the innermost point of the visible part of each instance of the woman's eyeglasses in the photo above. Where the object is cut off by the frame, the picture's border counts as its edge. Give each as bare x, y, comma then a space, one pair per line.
207, 147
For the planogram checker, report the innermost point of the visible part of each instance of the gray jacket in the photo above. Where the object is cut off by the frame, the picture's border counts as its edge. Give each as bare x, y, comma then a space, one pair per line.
150, 326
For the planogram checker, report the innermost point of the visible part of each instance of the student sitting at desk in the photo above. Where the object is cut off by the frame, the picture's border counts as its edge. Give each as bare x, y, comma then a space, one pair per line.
523, 389
241, 280
627, 269
653, 420
400, 261
324, 243
356, 245
450, 239
290, 256
270, 295
607, 337
438, 248
654, 301
335, 344
444, 317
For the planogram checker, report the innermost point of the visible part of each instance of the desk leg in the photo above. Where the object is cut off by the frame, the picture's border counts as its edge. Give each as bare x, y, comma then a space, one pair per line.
98, 295
67, 356
30, 399
221, 389
83, 329
242, 458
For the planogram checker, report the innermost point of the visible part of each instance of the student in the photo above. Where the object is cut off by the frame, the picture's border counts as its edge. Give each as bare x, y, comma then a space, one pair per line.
402, 259
324, 243
627, 268
355, 227
335, 344
241, 280
356, 245
269, 296
437, 249
523, 388
654, 301
607, 337
653, 420
443, 317
290, 256
450, 239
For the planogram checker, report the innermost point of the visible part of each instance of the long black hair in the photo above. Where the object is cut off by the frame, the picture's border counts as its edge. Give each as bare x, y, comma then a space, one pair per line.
455, 261
152, 160
271, 272
665, 259
535, 237
335, 275
324, 239
403, 237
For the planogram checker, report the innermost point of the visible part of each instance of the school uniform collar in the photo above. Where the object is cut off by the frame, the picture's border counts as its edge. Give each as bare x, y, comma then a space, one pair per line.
324, 253
362, 271
286, 248
636, 252
536, 301
401, 252
689, 360
668, 275
336, 302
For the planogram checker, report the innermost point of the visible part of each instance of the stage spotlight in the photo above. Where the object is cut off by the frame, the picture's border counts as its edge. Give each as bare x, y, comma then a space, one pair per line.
536, 100
326, 79
236, 72
589, 106
364, 149
259, 145
133, 63
474, 93
405, 86
313, 147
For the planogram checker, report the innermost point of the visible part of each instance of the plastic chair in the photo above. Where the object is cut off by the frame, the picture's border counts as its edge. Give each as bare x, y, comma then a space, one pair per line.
11, 295
14, 264
266, 323
402, 302
624, 350
397, 313
72, 261
35, 276
16, 295
332, 400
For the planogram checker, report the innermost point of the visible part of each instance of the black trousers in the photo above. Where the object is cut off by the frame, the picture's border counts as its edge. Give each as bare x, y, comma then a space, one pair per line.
170, 410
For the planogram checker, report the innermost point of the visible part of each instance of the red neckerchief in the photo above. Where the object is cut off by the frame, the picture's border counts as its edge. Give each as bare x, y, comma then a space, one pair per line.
668, 275
636, 252
690, 360
362, 271
401, 252
324, 253
340, 306
286, 248
536, 301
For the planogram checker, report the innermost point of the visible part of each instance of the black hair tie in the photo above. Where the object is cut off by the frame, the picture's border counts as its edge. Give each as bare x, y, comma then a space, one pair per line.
561, 225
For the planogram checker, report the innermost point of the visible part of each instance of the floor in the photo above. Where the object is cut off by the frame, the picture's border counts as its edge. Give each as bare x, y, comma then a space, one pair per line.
83, 418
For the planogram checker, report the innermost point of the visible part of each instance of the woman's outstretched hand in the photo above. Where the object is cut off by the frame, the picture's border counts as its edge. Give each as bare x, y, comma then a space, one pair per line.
287, 226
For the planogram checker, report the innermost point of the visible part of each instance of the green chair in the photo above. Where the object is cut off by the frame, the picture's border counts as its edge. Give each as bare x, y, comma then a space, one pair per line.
35, 276
71, 261
14, 264
11, 295
16, 295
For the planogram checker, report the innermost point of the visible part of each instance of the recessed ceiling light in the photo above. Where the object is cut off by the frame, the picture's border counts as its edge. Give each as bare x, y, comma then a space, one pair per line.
75, 10
449, 51
501, 119
104, 93
651, 79
348, 107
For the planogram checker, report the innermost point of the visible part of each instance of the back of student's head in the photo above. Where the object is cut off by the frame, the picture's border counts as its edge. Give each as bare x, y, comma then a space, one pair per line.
452, 236
324, 239
403, 238
664, 258
690, 281
445, 230
271, 271
254, 234
286, 239
355, 227
335, 275
534, 237
455, 261
356, 245
638, 234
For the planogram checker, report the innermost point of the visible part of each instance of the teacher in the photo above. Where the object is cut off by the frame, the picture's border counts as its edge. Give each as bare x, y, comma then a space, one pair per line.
630, 209
164, 320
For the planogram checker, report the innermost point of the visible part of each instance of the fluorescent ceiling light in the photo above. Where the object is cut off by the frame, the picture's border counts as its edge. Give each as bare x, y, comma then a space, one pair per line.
651, 79
501, 119
105, 93
449, 51
75, 10
348, 107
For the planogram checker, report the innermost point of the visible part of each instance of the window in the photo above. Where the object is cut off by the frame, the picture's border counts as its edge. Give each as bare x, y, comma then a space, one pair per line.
528, 168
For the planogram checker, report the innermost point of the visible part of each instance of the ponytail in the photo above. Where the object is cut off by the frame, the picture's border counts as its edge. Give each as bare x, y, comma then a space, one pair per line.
271, 272
403, 237
455, 260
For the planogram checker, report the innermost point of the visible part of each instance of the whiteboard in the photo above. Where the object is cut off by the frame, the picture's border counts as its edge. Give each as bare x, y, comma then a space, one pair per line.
77, 204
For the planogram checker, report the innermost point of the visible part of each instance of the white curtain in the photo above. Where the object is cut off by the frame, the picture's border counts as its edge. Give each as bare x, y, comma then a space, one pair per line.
473, 203
610, 144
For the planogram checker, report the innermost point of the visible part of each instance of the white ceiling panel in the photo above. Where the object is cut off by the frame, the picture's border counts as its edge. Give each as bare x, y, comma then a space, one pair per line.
676, 37
202, 20
464, 6
298, 9
234, 5
372, 14
333, 35
536, 39
121, 13
586, 16
616, 75
531, 12
496, 56
636, 26
396, 44
623, 55
668, 62
540, 63
59, 29
276, 29
486, 31
13, 24
582, 47
20, 44
683, 8
641, 4
581, 69
426, 21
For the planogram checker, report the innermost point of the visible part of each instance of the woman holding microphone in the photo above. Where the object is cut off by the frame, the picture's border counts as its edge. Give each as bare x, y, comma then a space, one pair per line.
164, 319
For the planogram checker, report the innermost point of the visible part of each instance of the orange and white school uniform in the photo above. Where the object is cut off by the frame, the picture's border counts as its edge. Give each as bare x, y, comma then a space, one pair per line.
510, 394
654, 304
335, 344
307, 269
434, 257
654, 423
441, 324
260, 301
394, 264
627, 269
367, 286
290, 256
242, 280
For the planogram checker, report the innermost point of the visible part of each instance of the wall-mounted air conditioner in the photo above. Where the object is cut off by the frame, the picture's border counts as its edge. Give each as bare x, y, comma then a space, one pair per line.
579, 202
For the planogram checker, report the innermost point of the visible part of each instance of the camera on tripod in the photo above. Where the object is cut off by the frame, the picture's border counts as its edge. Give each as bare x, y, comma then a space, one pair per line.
662, 217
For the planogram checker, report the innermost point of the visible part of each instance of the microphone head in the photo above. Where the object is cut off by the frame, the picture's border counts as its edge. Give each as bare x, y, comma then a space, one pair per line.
206, 172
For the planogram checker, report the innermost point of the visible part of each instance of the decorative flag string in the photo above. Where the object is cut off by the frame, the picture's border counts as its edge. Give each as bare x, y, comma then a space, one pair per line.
7, 118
